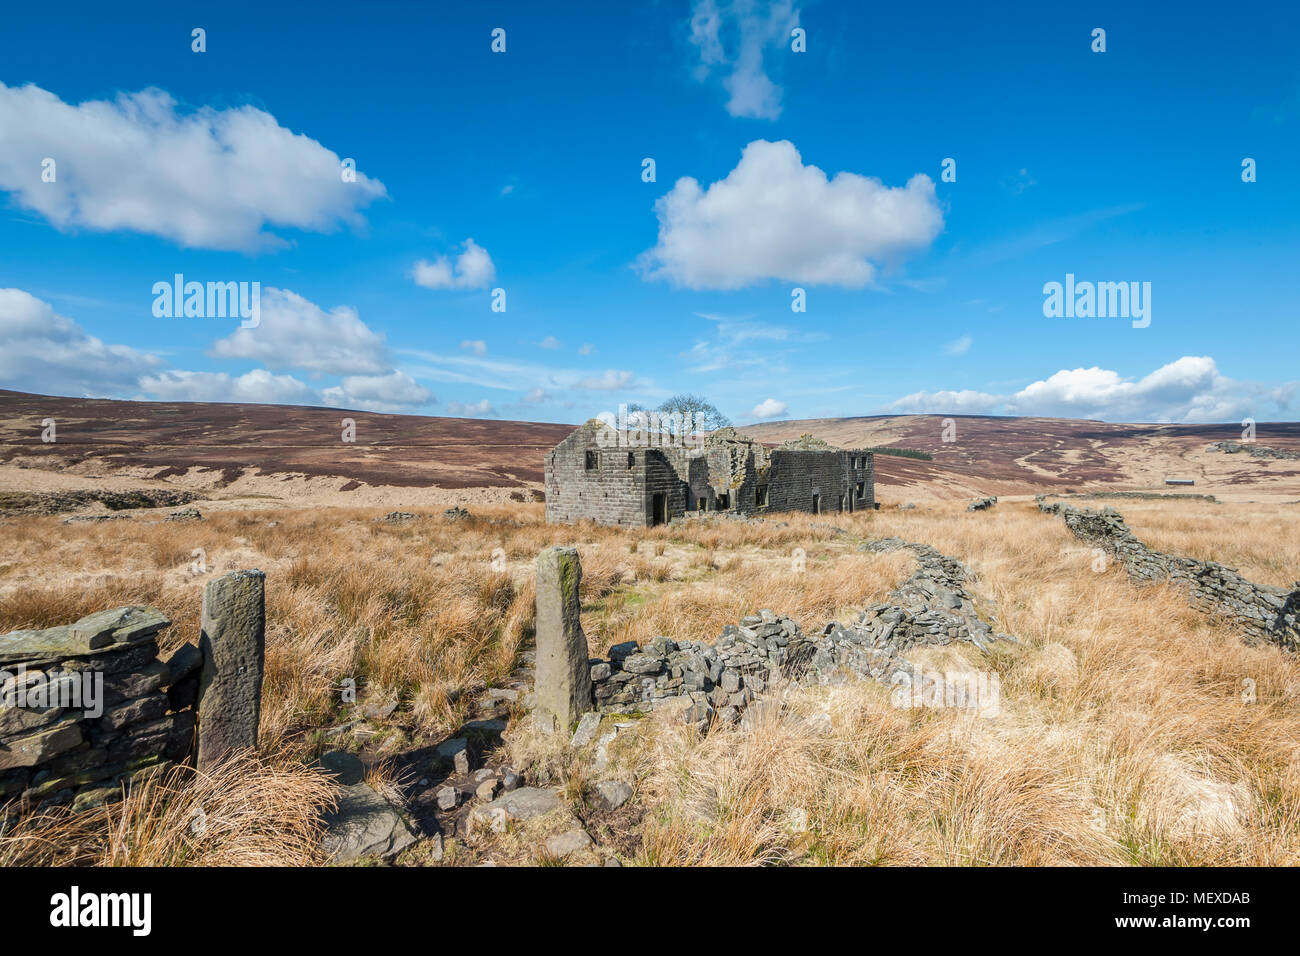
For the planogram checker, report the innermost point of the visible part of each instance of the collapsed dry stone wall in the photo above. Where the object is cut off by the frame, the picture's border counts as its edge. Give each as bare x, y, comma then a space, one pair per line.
85, 707
719, 680
1262, 612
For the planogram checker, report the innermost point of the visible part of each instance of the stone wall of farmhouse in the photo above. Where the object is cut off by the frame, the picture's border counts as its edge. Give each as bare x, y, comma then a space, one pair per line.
615, 485
608, 492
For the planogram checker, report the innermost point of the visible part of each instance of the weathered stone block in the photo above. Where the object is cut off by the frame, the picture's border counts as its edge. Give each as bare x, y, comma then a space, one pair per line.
186, 660
37, 748
563, 676
135, 711
99, 631
233, 642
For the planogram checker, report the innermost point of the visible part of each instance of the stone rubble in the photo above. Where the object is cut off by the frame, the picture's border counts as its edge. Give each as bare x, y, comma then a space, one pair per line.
699, 681
1255, 451
981, 504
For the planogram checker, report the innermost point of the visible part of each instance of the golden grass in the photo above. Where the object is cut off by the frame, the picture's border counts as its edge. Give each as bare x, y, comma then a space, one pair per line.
1260, 540
1123, 736
250, 811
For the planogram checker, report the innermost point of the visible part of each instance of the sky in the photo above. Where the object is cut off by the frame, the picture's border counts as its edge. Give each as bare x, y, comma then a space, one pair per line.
796, 210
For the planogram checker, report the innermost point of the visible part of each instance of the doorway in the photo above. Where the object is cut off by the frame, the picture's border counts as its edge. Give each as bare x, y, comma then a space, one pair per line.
817, 504
659, 508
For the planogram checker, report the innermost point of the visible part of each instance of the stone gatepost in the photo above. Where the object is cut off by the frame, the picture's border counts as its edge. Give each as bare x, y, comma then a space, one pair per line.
233, 642
563, 686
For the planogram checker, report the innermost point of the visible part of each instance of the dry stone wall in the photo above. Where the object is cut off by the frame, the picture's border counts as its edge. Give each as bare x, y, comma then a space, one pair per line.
87, 706
719, 680
1262, 612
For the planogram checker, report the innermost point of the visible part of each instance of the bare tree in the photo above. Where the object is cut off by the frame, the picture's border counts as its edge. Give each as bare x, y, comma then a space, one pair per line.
703, 412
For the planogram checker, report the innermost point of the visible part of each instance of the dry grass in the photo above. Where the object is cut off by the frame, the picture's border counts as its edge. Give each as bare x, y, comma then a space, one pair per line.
250, 811
1123, 736
1261, 540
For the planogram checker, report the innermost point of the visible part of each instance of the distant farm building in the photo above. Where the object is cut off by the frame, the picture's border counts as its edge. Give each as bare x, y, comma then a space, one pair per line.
605, 475
1180, 481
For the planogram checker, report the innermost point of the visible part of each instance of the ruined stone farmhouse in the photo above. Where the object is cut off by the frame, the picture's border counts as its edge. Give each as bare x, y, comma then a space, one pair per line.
615, 477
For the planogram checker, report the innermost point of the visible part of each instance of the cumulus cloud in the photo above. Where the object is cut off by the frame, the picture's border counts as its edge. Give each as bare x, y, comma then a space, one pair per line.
211, 178
477, 346
768, 408
772, 217
945, 401
296, 333
394, 392
479, 409
1190, 389
550, 342
42, 351
732, 38
473, 269
257, 386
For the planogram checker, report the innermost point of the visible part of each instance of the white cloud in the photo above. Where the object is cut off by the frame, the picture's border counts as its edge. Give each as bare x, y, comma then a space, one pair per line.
586, 349
473, 269
772, 217
41, 351
945, 401
959, 346
479, 409
733, 37
611, 380
1190, 389
44, 352
550, 342
477, 346
536, 396
212, 178
257, 386
297, 333
768, 408
394, 392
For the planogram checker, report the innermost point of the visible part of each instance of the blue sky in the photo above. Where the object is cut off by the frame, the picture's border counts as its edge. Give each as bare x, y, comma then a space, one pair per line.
774, 169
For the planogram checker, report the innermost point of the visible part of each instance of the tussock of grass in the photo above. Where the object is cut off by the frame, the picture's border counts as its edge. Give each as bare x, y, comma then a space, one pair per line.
250, 811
